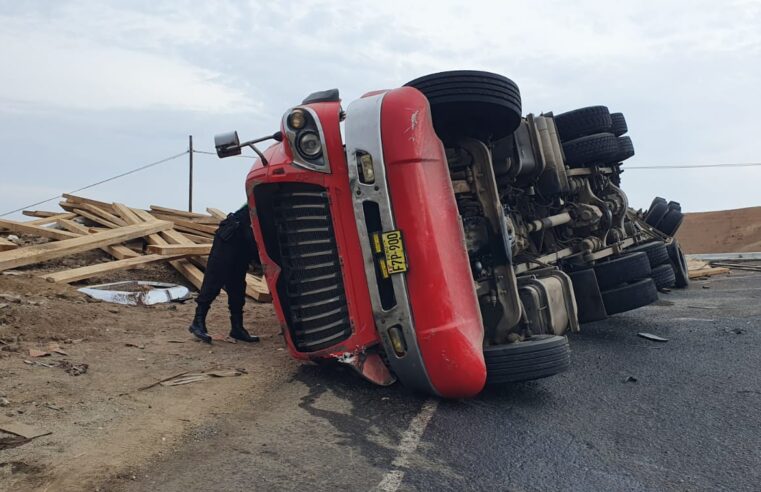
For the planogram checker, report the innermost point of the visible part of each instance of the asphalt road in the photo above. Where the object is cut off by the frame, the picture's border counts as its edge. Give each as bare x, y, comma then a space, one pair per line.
688, 421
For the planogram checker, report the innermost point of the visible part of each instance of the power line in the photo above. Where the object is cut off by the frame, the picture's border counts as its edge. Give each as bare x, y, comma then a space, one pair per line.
664, 166
206, 152
127, 173
695, 166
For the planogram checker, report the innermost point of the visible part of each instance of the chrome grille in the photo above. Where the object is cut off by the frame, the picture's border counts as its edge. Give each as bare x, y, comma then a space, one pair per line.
312, 290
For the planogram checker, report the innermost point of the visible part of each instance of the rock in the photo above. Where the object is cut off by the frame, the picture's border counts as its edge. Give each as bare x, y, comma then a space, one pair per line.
11, 298
4, 402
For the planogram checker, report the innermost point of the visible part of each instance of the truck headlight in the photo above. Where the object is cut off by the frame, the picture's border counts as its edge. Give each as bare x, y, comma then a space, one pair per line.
309, 145
297, 119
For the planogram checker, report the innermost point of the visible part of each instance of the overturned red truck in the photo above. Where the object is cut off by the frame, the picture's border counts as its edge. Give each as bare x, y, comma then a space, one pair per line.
434, 235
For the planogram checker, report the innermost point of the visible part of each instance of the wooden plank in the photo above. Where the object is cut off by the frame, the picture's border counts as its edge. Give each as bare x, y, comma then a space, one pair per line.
216, 213
208, 221
708, 272
257, 288
179, 213
103, 214
198, 239
34, 230
43, 252
76, 200
192, 273
196, 229
95, 218
126, 213
40, 214
180, 249
76, 274
52, 219
116, 250
6, 245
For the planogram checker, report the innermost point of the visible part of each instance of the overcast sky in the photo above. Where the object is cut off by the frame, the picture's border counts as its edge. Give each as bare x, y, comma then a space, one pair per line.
89, 89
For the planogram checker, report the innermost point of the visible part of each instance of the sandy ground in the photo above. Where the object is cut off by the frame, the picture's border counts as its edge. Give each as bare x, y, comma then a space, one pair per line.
724, 231
101, 423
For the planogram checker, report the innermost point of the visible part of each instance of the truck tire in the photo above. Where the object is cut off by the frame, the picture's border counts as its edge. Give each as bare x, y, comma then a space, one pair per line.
582, 122
656, 252
536, 357
623, 269
630, 296
656, 201
618, 124
670, 222
656, 213
597, 149
471, 103
625, 149
663, 276
679, 262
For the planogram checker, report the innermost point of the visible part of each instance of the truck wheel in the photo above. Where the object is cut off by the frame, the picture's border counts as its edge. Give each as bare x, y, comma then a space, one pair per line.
656, 252
663, 276
625, 149
656, 201
656, 213
597, 149
618, 124
621, 270
630, 296
471, 103
536, 357
670, 222
679, 262
582, 122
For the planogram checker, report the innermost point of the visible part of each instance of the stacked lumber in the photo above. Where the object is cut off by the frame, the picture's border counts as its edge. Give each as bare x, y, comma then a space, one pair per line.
182, 239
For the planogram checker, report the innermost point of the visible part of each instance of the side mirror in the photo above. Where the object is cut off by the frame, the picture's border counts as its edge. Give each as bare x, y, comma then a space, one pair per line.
227, 144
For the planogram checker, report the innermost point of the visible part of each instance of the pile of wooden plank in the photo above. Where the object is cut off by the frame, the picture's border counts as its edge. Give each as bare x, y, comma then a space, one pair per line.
183, 239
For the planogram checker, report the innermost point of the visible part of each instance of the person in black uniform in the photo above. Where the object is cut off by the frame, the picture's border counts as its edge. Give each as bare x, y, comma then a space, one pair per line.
232, 252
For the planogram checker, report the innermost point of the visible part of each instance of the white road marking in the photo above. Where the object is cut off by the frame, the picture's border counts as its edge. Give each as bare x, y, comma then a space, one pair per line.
407, 447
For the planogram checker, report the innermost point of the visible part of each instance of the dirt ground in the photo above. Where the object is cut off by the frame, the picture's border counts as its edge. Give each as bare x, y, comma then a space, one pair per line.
724, 231
101, 423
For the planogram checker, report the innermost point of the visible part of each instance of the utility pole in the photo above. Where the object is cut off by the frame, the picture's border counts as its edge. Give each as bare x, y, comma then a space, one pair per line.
190, 177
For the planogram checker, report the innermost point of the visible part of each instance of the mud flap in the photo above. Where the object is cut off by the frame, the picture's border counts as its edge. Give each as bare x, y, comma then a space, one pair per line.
370, 367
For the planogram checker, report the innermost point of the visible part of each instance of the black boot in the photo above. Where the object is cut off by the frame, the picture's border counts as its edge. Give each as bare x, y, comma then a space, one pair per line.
198, 327
238, 332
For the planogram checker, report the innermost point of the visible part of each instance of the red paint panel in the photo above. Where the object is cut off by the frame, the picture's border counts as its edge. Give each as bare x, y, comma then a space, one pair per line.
446, 314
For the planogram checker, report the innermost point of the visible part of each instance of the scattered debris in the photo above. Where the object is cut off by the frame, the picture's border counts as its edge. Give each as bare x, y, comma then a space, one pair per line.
200, 376
12, 441
23, 430
218, 337
72, 368
56, 349
138, 293
178, 236
650, 336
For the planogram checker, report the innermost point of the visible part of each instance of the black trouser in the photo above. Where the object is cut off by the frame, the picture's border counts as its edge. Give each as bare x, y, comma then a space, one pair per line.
231, 254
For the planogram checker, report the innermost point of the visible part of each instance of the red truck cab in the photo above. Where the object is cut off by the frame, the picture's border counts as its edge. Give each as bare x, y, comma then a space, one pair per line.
363, 244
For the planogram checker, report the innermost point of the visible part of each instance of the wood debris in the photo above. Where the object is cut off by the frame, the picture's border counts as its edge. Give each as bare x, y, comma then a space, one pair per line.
183, 239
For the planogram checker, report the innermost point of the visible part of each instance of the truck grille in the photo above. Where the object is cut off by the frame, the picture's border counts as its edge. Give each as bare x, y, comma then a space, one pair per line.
311, 286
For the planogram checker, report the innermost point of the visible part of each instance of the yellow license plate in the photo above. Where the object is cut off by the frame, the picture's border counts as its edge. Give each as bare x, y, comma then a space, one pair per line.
394, 259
